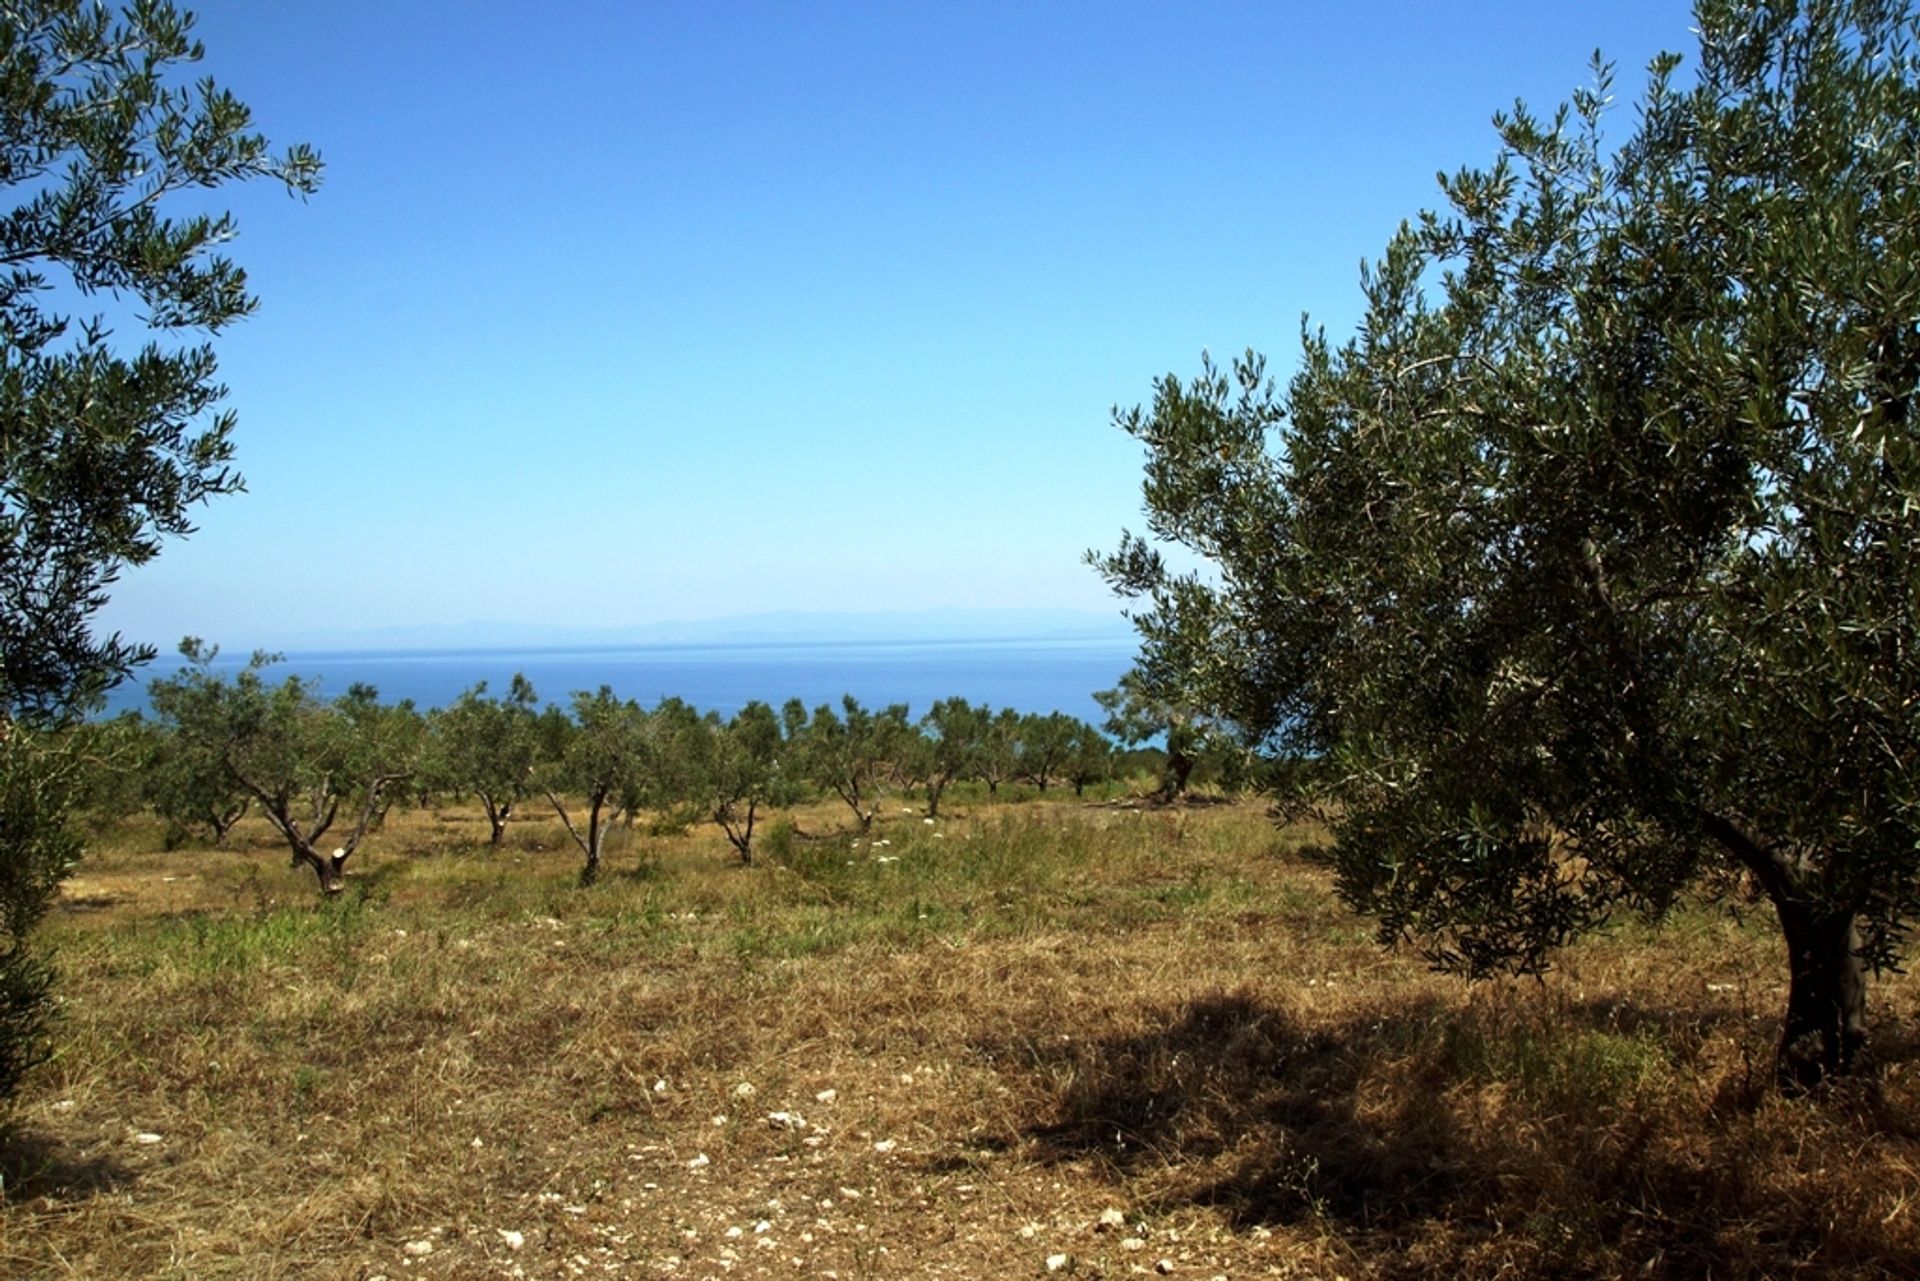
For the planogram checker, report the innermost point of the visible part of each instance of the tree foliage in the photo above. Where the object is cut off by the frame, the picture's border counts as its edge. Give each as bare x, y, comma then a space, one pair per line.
848, 753
1150, 704
741, 767
186, 780
313, 767
954, 732
487, 748
104, 451
1587, 565
601, 758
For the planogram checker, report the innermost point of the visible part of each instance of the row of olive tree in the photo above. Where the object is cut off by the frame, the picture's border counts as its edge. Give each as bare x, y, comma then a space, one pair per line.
325, 772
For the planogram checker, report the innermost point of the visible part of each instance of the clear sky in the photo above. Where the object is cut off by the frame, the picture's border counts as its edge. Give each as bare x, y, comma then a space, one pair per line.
614, 313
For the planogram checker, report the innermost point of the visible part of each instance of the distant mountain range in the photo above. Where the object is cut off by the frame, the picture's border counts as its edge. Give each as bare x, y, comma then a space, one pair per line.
790, 626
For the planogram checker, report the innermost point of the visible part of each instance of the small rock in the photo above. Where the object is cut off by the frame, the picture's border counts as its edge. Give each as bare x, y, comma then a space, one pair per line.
744, 1090
1164, 1267
660, 1086
418, 1249
64, 1105
514, 1240
720, 1119
477, 1143
786, 1121
1055, 1262
1133, 1243
735, 1232
147, 1138
700, 1162
826, 1096
1110, 1218
885, 1146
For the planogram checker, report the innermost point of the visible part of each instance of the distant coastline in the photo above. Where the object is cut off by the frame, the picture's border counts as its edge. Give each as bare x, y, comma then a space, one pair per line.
1025, 672
791, 627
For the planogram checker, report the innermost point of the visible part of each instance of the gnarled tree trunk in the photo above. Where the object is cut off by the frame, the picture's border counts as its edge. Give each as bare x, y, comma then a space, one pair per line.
1825, 1032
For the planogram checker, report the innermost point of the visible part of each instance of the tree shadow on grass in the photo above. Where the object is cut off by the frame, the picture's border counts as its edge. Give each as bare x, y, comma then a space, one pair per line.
1263, 1110
1526, 1136
33, 1164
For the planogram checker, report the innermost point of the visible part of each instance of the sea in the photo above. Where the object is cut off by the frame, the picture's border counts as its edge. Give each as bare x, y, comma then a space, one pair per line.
1028, 675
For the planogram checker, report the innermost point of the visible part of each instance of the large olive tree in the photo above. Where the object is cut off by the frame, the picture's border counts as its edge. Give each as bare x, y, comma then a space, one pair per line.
110, 431
1588, 566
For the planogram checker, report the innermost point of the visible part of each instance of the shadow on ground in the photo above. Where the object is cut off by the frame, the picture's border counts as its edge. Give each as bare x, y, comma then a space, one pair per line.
1556, 1138
33, 1164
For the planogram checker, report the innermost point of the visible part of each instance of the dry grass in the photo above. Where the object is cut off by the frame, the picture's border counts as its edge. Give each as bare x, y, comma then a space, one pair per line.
944, 1056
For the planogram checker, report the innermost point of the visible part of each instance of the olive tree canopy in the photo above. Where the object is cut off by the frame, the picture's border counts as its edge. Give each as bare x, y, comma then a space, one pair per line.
1588, 567
110, 430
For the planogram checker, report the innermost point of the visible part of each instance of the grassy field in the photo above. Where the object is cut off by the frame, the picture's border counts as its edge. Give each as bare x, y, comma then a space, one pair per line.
1085, 1038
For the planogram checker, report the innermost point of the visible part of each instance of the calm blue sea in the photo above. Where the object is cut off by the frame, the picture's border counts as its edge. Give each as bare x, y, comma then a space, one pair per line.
1027, 675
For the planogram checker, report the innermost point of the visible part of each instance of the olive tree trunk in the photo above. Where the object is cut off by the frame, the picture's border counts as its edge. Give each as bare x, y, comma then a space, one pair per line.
1825, 1031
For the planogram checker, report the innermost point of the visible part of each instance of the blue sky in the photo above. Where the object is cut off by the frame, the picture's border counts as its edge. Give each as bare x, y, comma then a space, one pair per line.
616, 313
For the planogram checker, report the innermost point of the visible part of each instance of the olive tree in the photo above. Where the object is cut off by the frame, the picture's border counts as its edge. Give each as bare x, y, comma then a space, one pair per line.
952, 730
104, 452
186, 779
602, 760
1044, 745
848, 754
1146, 706
1089, 758
997, 756
487, 747
739, 767
309, 764
1587, 567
